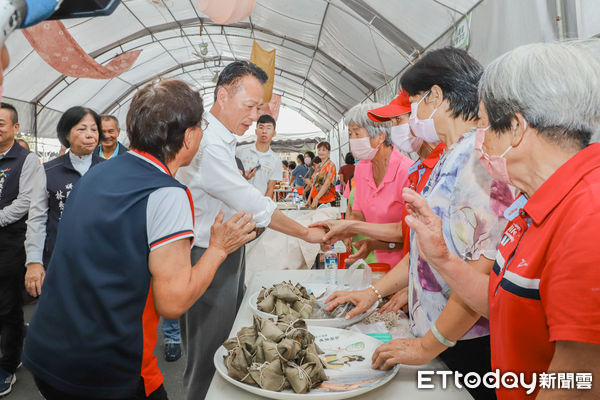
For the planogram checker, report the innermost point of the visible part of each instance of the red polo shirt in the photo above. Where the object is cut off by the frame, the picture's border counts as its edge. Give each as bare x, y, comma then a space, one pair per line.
545, 283
418, 175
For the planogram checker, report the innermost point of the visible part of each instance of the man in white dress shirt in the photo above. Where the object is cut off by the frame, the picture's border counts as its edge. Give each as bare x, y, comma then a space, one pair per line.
263, 166
216, 184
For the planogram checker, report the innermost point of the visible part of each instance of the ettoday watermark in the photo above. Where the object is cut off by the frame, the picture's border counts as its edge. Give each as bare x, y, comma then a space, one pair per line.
508, 380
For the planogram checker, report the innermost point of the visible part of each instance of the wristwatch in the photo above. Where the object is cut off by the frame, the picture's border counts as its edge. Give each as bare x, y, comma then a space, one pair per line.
391, 245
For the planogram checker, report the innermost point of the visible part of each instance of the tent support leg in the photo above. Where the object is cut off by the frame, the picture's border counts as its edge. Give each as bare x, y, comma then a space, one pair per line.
35, 129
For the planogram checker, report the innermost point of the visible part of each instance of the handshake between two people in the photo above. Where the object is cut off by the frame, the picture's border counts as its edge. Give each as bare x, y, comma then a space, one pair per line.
240, 229
420, 218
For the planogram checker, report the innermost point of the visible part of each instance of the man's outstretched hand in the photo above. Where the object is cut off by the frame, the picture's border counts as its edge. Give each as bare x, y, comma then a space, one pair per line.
336, 229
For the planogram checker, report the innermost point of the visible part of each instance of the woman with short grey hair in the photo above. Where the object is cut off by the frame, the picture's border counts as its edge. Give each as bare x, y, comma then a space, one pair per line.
541, 105
359, 115
379, 177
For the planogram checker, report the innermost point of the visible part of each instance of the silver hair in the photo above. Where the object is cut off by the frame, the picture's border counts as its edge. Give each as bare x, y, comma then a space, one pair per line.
555, 86
107, 117
358, 115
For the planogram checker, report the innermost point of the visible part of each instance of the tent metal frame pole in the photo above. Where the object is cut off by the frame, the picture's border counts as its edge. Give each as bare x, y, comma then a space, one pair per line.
560, 22
35, 127
428, 46
396, 37
317, 42
191, 22
340, 153
578, 18
433, 42
338, 107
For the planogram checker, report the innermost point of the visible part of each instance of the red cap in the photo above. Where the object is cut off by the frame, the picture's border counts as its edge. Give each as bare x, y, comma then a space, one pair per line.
400, 105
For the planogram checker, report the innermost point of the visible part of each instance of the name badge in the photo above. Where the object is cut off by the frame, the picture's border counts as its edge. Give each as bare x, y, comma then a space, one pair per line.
511, 212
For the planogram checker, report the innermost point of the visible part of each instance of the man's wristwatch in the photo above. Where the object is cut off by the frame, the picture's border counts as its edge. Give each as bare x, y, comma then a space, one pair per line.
391, 246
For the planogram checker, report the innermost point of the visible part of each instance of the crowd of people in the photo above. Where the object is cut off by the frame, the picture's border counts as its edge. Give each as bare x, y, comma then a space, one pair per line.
500, 212
489, 234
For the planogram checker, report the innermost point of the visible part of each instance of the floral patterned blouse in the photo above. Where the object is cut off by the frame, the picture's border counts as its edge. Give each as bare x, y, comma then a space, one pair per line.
471, 206
325, 171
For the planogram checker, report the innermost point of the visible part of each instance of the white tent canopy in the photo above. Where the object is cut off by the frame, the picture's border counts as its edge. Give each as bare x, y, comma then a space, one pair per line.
331, 54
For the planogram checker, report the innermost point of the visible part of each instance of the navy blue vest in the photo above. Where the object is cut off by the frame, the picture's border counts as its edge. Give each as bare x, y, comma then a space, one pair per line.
12, 236
87, 333
60, 179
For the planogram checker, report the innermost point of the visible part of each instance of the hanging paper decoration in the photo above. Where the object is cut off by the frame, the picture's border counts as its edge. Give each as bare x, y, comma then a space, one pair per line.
272, 108
243, 11
265, 60
225, 12
53, 42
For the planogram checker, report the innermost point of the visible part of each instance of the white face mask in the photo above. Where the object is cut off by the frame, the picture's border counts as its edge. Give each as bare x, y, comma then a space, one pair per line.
362, 149
404, 140
307, 161
423, 128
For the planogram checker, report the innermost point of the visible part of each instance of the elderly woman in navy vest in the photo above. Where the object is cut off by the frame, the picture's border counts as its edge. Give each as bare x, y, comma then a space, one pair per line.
79, 129
122, 258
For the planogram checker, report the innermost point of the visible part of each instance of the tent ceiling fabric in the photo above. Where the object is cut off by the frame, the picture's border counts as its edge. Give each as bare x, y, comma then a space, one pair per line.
331, 54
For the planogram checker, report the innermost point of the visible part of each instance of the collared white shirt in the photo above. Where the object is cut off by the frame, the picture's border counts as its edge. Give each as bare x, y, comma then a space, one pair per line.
81, 164
216, 184
271, 168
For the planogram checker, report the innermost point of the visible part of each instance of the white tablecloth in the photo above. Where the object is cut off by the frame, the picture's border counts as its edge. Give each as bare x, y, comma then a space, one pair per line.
403, 386
274, 250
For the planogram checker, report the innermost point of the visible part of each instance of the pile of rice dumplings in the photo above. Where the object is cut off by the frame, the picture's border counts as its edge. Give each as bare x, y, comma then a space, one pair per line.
275, 355
294, 300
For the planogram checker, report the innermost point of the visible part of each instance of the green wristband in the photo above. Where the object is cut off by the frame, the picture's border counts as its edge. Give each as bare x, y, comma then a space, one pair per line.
441, 338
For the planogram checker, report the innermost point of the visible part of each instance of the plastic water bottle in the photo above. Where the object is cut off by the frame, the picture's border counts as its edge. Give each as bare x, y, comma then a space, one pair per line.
296, 198
331, 266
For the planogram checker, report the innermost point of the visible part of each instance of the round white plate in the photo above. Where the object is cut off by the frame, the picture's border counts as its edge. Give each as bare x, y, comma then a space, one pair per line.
348, 358
317, 289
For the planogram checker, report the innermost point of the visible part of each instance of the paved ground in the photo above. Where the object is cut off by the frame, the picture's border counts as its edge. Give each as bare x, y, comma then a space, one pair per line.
25, 388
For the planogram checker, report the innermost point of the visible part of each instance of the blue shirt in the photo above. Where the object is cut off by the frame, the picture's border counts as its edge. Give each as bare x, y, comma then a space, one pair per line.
298, 173
114, 154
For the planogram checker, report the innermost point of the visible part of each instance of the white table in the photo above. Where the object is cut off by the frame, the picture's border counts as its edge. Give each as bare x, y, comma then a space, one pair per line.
289, 205
403, 386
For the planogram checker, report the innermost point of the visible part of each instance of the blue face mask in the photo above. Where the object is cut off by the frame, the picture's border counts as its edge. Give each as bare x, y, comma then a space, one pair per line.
356, 160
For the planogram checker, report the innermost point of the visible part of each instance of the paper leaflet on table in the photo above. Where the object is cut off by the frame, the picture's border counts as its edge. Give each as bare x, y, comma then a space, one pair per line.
348, 362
